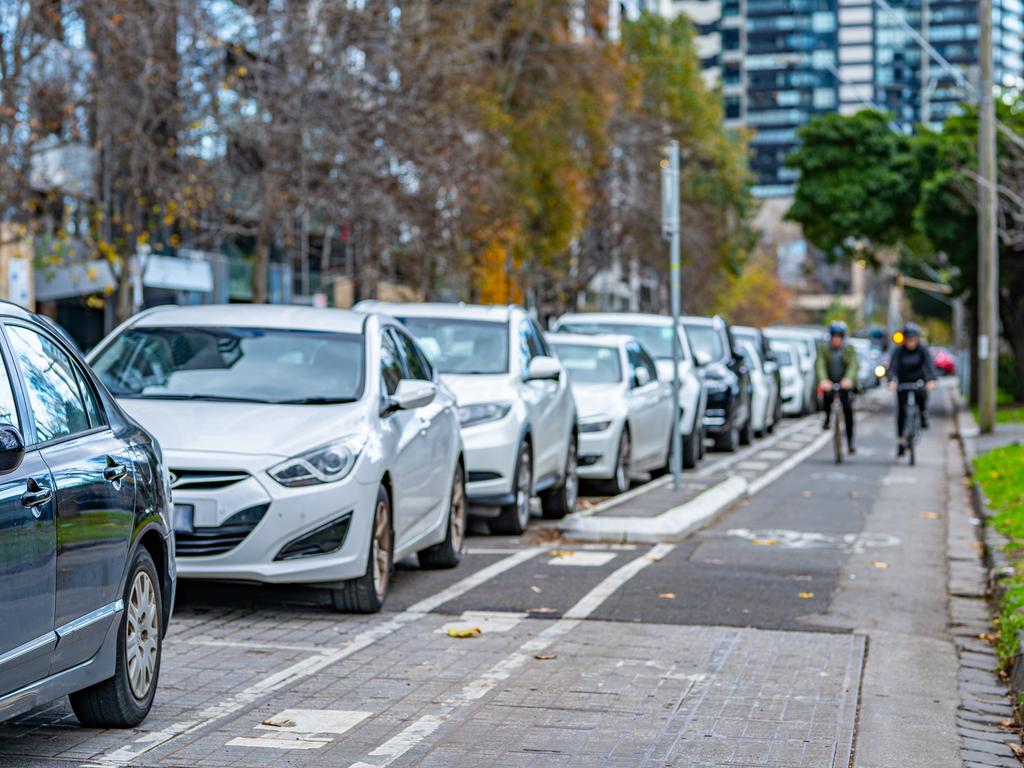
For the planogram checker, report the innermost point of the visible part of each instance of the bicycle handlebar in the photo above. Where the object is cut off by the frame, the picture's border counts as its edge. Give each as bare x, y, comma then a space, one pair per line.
920, 384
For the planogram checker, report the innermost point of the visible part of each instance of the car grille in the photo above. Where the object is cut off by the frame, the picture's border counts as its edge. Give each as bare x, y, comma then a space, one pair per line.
201, 542
205, 479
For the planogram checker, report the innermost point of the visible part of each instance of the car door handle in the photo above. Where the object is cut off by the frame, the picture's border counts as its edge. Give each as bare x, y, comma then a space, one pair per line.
113, 471
36, 496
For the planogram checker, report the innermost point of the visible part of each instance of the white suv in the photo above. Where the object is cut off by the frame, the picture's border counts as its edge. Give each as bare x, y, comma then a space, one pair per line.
655, 333
516, 409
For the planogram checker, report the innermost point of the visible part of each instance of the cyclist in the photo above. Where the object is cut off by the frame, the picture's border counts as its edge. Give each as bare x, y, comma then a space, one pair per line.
837, 374
911, 362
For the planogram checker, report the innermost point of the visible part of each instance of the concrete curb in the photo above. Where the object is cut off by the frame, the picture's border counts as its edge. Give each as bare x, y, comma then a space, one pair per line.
678, 522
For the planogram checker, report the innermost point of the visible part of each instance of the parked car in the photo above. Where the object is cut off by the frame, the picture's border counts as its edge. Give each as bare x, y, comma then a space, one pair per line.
87, 569
655, 333
768, 362
515, 406
625, 411
727, 418
764, 390
792, 391
944, 360
806, 342
306, 446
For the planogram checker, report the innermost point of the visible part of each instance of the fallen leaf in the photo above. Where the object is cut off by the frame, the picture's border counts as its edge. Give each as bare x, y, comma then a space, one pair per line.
930, 515
667, 595
1017, 749
545, 656
764, 542
805, 595
808, 494
561, 553
878, 564
461, 633
1007, 723
854, 494
535, 589
278, 723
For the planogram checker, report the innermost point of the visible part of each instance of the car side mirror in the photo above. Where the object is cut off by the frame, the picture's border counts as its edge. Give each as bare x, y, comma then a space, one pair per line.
544, 369
703, 358
641, 377
412, 394
12, 448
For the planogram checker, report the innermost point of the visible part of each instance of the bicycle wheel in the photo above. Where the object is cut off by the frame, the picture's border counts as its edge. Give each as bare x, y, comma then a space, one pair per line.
837, 435
912, 437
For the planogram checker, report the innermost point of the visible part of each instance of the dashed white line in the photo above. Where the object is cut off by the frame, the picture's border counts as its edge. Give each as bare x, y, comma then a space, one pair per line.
425, 726
309, 666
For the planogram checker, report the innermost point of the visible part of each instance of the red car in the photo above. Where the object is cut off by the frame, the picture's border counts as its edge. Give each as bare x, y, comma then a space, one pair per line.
944, 361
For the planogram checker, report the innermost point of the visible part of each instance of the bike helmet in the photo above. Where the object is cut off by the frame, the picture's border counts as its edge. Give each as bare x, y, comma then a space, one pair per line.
838, 328
911, 329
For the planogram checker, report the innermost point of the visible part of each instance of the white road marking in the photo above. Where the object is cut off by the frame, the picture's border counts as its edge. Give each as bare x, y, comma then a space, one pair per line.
492, 550
427, 725
308, 667
585, 559
301, 729
786, 539
486, 621
254, 646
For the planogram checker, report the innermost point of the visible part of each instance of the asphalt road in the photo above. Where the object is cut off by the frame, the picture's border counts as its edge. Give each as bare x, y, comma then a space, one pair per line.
701, 652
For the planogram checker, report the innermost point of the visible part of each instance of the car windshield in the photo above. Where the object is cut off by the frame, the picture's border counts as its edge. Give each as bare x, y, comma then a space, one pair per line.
588, 364
461, 346
657, 338
234, 364
706, 341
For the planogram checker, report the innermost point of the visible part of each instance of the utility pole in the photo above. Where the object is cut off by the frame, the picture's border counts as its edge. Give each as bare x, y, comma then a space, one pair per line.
925, 75
670, 229
988, 223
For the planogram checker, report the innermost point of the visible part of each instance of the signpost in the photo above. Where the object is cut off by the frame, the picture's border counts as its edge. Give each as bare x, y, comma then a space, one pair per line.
670, 230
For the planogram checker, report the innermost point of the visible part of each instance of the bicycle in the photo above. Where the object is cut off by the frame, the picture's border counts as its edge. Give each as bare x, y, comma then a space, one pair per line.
912, 422
838, 421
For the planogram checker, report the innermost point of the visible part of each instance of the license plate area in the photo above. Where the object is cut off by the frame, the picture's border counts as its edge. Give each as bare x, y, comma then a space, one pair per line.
184, 518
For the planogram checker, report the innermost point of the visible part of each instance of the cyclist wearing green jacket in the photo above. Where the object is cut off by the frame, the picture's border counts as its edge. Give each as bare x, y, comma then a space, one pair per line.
837, 368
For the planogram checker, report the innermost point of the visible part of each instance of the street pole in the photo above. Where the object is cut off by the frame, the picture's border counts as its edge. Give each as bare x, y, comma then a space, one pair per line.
670, 228
988, 244
925, 76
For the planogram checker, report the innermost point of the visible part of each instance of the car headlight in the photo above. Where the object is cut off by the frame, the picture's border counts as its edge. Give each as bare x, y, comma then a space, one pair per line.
325, 464
596, 425
480, 413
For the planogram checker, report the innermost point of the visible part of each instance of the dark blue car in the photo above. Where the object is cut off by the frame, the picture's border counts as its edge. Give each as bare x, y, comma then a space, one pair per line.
87, 569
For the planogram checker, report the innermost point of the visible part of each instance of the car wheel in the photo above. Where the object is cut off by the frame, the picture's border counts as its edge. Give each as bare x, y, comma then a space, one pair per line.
513, 518
703, 442
728, 441
691, 449
747, 433
367, 593
123, 701
448, 553
619, 482
559, 502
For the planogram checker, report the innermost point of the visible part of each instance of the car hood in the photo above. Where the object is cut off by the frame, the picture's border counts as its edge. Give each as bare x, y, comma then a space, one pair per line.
243, 428
470, 389
598, 399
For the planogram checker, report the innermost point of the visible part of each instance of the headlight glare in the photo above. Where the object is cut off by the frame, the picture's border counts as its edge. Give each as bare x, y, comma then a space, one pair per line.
480, 413
325, 464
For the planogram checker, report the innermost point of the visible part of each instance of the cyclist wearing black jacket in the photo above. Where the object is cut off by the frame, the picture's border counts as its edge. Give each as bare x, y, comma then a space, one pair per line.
911, 362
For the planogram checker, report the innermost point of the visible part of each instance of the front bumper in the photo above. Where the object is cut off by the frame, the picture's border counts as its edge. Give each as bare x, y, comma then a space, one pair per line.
291, 513
599, 453
718, 416
491, 451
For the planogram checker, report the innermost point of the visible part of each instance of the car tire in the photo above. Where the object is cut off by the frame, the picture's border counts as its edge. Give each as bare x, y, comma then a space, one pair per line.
123, 701
513, 518
448, 553
691, 449
560, 501
619, 481
728, 441
367, 593
747, 433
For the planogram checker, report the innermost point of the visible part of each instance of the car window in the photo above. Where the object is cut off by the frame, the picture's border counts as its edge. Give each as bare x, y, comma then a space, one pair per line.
538, 346
706, 341
648, 362
414, 364
92, 407
390, 363
461, 346
657, 338
526, 349
8, 406
58, 408
588, 364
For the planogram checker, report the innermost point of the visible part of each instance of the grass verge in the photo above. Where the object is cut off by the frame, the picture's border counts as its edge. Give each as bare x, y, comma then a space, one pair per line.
1000, 474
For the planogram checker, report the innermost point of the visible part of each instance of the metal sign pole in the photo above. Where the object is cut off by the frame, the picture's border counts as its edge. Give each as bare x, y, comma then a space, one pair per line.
670, 228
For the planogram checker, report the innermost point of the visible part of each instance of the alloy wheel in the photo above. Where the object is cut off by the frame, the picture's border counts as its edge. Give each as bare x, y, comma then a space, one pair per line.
622, 468
381, 544
524, 481
457, 518
571, 482
142, 635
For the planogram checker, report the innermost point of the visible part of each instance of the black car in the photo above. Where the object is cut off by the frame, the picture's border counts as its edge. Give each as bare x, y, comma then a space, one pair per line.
770, 360
87, 570
726, 378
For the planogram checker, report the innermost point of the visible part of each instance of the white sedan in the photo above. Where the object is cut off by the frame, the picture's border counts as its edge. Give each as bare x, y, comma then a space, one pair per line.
311, 446
516, 409
625, 411
792, 392
765, 390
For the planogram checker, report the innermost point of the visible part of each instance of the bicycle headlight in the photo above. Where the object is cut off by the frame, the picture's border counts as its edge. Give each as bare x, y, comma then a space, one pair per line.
480, 413
879, 371
324, 464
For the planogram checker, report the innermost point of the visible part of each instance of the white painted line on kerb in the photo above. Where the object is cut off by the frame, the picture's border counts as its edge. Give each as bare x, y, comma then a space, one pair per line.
309, 666
427, 725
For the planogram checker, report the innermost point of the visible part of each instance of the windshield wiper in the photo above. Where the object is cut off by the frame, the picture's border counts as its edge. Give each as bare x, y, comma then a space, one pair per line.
213, 398
316, 401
